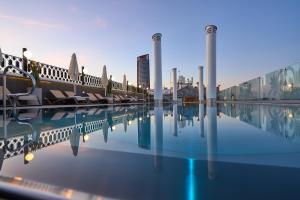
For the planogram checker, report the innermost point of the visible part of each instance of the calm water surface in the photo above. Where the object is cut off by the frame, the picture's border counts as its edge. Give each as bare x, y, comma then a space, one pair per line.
232, 151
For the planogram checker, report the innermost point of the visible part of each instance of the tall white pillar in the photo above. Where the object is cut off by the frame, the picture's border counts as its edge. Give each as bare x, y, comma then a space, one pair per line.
201, 86
211, 93
158, 94
174, 70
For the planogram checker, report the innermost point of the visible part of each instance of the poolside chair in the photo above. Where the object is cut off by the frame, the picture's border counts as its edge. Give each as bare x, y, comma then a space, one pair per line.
30, 97
101, 98
117, 99
133, 99
124, 99
59, 96
92, 97
76, 98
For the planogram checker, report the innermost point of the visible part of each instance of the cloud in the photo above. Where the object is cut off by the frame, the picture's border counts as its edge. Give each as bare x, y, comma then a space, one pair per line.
30, 22
100, 22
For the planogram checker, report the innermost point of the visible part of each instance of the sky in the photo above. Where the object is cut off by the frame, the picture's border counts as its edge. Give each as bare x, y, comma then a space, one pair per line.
254, 37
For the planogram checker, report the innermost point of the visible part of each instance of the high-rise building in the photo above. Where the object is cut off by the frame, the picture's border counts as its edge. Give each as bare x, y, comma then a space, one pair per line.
143, 71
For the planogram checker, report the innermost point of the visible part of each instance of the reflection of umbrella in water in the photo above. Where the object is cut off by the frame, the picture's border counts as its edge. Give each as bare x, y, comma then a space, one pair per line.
75, 139
1, 158
105, 127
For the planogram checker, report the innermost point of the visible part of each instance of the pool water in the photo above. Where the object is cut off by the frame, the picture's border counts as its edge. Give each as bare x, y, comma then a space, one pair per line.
231, 151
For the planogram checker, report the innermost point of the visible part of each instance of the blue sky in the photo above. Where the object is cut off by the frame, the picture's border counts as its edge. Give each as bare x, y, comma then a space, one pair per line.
254, 36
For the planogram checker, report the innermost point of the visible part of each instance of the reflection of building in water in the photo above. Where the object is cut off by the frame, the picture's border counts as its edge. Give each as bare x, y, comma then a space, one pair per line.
201, 119
281, 121
158, 124
212, 147
144, 135
186, 115
182, 121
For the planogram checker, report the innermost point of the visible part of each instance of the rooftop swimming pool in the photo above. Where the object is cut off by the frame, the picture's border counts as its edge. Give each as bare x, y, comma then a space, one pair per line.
231, 151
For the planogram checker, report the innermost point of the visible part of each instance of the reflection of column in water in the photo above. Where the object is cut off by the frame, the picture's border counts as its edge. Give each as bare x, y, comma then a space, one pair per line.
144, 136
201, 119
158, 123
211, 141
175, 120
26, 149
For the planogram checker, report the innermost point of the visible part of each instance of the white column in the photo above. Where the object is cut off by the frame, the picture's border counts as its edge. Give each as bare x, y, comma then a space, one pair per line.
211, 93
201, 86
174, 70
158, 94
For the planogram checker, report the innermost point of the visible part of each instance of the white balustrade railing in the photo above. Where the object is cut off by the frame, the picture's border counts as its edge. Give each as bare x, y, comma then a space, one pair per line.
53, 73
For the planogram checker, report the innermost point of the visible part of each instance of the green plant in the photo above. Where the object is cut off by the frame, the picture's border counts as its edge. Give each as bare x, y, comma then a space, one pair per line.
35, 72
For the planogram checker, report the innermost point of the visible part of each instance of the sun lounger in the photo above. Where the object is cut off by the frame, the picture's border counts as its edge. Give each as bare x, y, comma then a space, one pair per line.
30, 97
76, 98
101, 98
60, 97
124, 99
117, 99
133, 99
92, 97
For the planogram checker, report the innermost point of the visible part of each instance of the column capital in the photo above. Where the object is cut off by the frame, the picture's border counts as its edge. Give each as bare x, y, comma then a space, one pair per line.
211, 29
174, 69
200, 67
157, 37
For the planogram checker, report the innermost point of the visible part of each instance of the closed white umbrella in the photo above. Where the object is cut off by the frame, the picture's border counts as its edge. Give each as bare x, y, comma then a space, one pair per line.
73, 70
1, 58
124, 83
104, 79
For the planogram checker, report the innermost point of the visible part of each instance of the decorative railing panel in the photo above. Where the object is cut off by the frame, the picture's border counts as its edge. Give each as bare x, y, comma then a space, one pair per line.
53, 73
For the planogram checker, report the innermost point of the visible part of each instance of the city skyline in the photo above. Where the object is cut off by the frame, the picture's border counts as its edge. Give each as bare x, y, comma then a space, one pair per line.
253, 38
